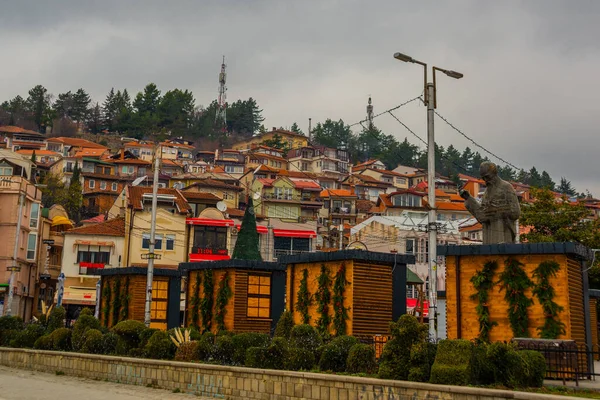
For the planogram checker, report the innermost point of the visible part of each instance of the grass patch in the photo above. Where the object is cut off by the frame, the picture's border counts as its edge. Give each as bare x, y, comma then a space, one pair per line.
59, 373
176, 390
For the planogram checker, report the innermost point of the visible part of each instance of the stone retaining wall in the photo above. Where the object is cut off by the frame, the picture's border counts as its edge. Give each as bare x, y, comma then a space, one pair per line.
225, 382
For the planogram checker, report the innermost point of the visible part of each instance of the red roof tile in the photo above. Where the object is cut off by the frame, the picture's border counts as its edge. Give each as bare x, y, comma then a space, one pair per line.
112, 227
77, 142
16, 129
305, 184
336, 193
200, 196
136, 196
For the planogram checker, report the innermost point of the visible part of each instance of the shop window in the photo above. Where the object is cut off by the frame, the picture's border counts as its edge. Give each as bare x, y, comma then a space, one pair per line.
259, 296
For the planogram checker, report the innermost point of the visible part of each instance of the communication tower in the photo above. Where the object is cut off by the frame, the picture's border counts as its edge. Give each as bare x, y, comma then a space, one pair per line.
221, 114
370, 114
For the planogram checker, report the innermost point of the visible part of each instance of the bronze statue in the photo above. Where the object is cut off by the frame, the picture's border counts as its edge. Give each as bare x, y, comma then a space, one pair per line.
499, 208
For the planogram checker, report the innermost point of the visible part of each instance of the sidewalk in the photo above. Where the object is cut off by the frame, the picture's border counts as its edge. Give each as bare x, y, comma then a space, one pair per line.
591, 384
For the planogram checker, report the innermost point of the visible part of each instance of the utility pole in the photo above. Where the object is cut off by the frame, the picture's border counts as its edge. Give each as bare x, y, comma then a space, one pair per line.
432, 217
150, 276
15, 267
341, 244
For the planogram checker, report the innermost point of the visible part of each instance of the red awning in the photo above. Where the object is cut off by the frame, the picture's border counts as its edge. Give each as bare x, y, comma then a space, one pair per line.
209, 222
208, 257
294, 233
259, 228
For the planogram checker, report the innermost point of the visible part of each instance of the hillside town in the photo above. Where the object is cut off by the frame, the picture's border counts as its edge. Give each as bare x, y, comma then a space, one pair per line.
310, 199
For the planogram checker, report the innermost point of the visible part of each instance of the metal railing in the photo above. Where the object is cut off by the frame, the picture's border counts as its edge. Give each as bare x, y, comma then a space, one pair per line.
285, 252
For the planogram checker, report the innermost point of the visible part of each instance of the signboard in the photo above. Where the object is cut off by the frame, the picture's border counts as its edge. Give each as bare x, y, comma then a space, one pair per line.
150, 256
44, 277
48, 241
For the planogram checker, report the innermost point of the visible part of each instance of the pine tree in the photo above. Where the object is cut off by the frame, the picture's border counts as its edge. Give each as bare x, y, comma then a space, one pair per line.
33, 157
566, 188
247, 244
295, 128
109, 110
81, 104
74, 195
38, 104
95, 119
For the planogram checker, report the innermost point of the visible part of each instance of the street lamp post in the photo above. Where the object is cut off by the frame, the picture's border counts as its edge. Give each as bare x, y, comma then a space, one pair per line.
430, 101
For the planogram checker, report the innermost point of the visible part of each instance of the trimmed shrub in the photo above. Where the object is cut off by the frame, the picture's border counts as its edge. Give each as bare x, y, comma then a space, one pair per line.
61, 339
160, 346
452, 364
361, 359
300, 359
531, 370
129, 333
109, 343
206, 346
422, 356
195, 334
8, 335
482, 370
86, 311
243, 341
187, 351
284, 325
28, 336
305, 337
224, 349
43, 343
501, 358
11, 323
256, 357
92, 342
56, 319
395, 358
147, 334
85, 322
136, 352
335, 354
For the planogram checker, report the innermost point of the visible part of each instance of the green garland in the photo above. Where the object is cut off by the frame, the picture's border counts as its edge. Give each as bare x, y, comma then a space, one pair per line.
340, 313
224, 293
545, 293
106, 292
117, 300
304, 298
482, 282
206, 305
195, 302
323, 298
126, 297
514, 281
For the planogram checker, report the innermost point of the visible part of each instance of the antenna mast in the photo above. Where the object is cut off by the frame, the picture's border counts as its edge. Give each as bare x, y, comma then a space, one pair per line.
370, 114
221, 114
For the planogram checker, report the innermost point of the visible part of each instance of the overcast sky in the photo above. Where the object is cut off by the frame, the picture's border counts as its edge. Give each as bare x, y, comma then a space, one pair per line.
531, 68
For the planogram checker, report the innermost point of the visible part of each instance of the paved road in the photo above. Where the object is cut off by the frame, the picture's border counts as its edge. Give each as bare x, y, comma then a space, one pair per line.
17, 384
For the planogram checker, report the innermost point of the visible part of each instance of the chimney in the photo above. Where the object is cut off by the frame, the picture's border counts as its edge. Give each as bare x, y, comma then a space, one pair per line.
274, 128
122, 153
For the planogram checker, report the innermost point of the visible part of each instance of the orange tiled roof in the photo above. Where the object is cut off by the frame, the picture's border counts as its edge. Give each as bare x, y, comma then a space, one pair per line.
305, 184
336, 193
171, 163
364, 205
16, 129
200, 196
29, 152
77, 142
112, 227
214, 183
136, 193
90, 152
266, 182
137, 144
451, 206
471, 228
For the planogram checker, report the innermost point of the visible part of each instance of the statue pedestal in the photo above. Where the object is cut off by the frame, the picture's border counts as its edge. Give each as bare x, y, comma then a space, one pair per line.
570, 285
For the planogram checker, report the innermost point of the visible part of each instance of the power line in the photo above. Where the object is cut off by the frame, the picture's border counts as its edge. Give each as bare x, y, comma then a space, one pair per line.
386, 111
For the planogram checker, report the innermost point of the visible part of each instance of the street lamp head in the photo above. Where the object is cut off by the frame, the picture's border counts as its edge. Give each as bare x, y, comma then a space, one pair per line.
453, 74
403, 57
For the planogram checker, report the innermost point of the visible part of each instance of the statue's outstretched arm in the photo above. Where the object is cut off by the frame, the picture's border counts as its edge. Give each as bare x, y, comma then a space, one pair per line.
475, 208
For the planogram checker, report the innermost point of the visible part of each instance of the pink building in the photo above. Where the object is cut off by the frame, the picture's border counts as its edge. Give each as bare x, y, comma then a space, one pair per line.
15, 187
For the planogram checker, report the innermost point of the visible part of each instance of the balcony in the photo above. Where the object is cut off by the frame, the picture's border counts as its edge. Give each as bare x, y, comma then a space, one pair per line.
343, 211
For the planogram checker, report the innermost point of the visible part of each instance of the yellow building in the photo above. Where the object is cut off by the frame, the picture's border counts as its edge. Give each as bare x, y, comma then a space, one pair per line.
134, 204
225, 191
279, 198
293, 139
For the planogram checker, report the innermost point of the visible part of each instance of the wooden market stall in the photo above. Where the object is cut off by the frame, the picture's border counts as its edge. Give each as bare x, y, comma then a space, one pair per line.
234, 295
360, 292
123, 296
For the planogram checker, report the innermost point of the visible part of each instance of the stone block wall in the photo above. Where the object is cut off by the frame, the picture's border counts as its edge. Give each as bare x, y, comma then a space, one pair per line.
237, 383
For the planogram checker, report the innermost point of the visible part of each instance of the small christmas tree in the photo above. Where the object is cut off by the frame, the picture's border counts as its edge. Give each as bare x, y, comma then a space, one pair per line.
247, 244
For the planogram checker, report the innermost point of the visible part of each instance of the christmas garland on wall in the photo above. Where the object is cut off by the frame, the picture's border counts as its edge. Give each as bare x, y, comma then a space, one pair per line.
545, 293
304, 298
323, 298
482, 282
224, 293
195, 302
126, 297
340, 313
117, 300
106, 292
206, 305
514, 281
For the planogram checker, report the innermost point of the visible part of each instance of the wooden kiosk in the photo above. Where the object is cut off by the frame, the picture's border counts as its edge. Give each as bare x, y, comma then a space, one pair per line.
123, 296
235, 295
373, 296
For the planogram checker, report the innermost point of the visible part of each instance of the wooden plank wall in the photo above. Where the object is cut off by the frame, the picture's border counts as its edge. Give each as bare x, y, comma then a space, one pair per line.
241, 323
576, 310
217, 274
372, 294
314, 270
497, 305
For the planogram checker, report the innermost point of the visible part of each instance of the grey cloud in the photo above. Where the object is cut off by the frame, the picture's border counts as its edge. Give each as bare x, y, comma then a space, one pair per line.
529, 91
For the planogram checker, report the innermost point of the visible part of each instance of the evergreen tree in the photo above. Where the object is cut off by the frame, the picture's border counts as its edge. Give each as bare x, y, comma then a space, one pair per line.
81, 104
546, 181
146, 105
535, 179
38, 104
95, 119
74, 199
33, 157
247, 244
566, 188
63, 106
53, 191
334, 134
109, 110
295, 128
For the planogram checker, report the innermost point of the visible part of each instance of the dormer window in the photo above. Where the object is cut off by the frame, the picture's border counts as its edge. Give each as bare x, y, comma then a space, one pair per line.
407, 200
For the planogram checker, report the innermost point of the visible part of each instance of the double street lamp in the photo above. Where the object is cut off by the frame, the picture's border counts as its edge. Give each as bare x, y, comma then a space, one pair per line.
430, 101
